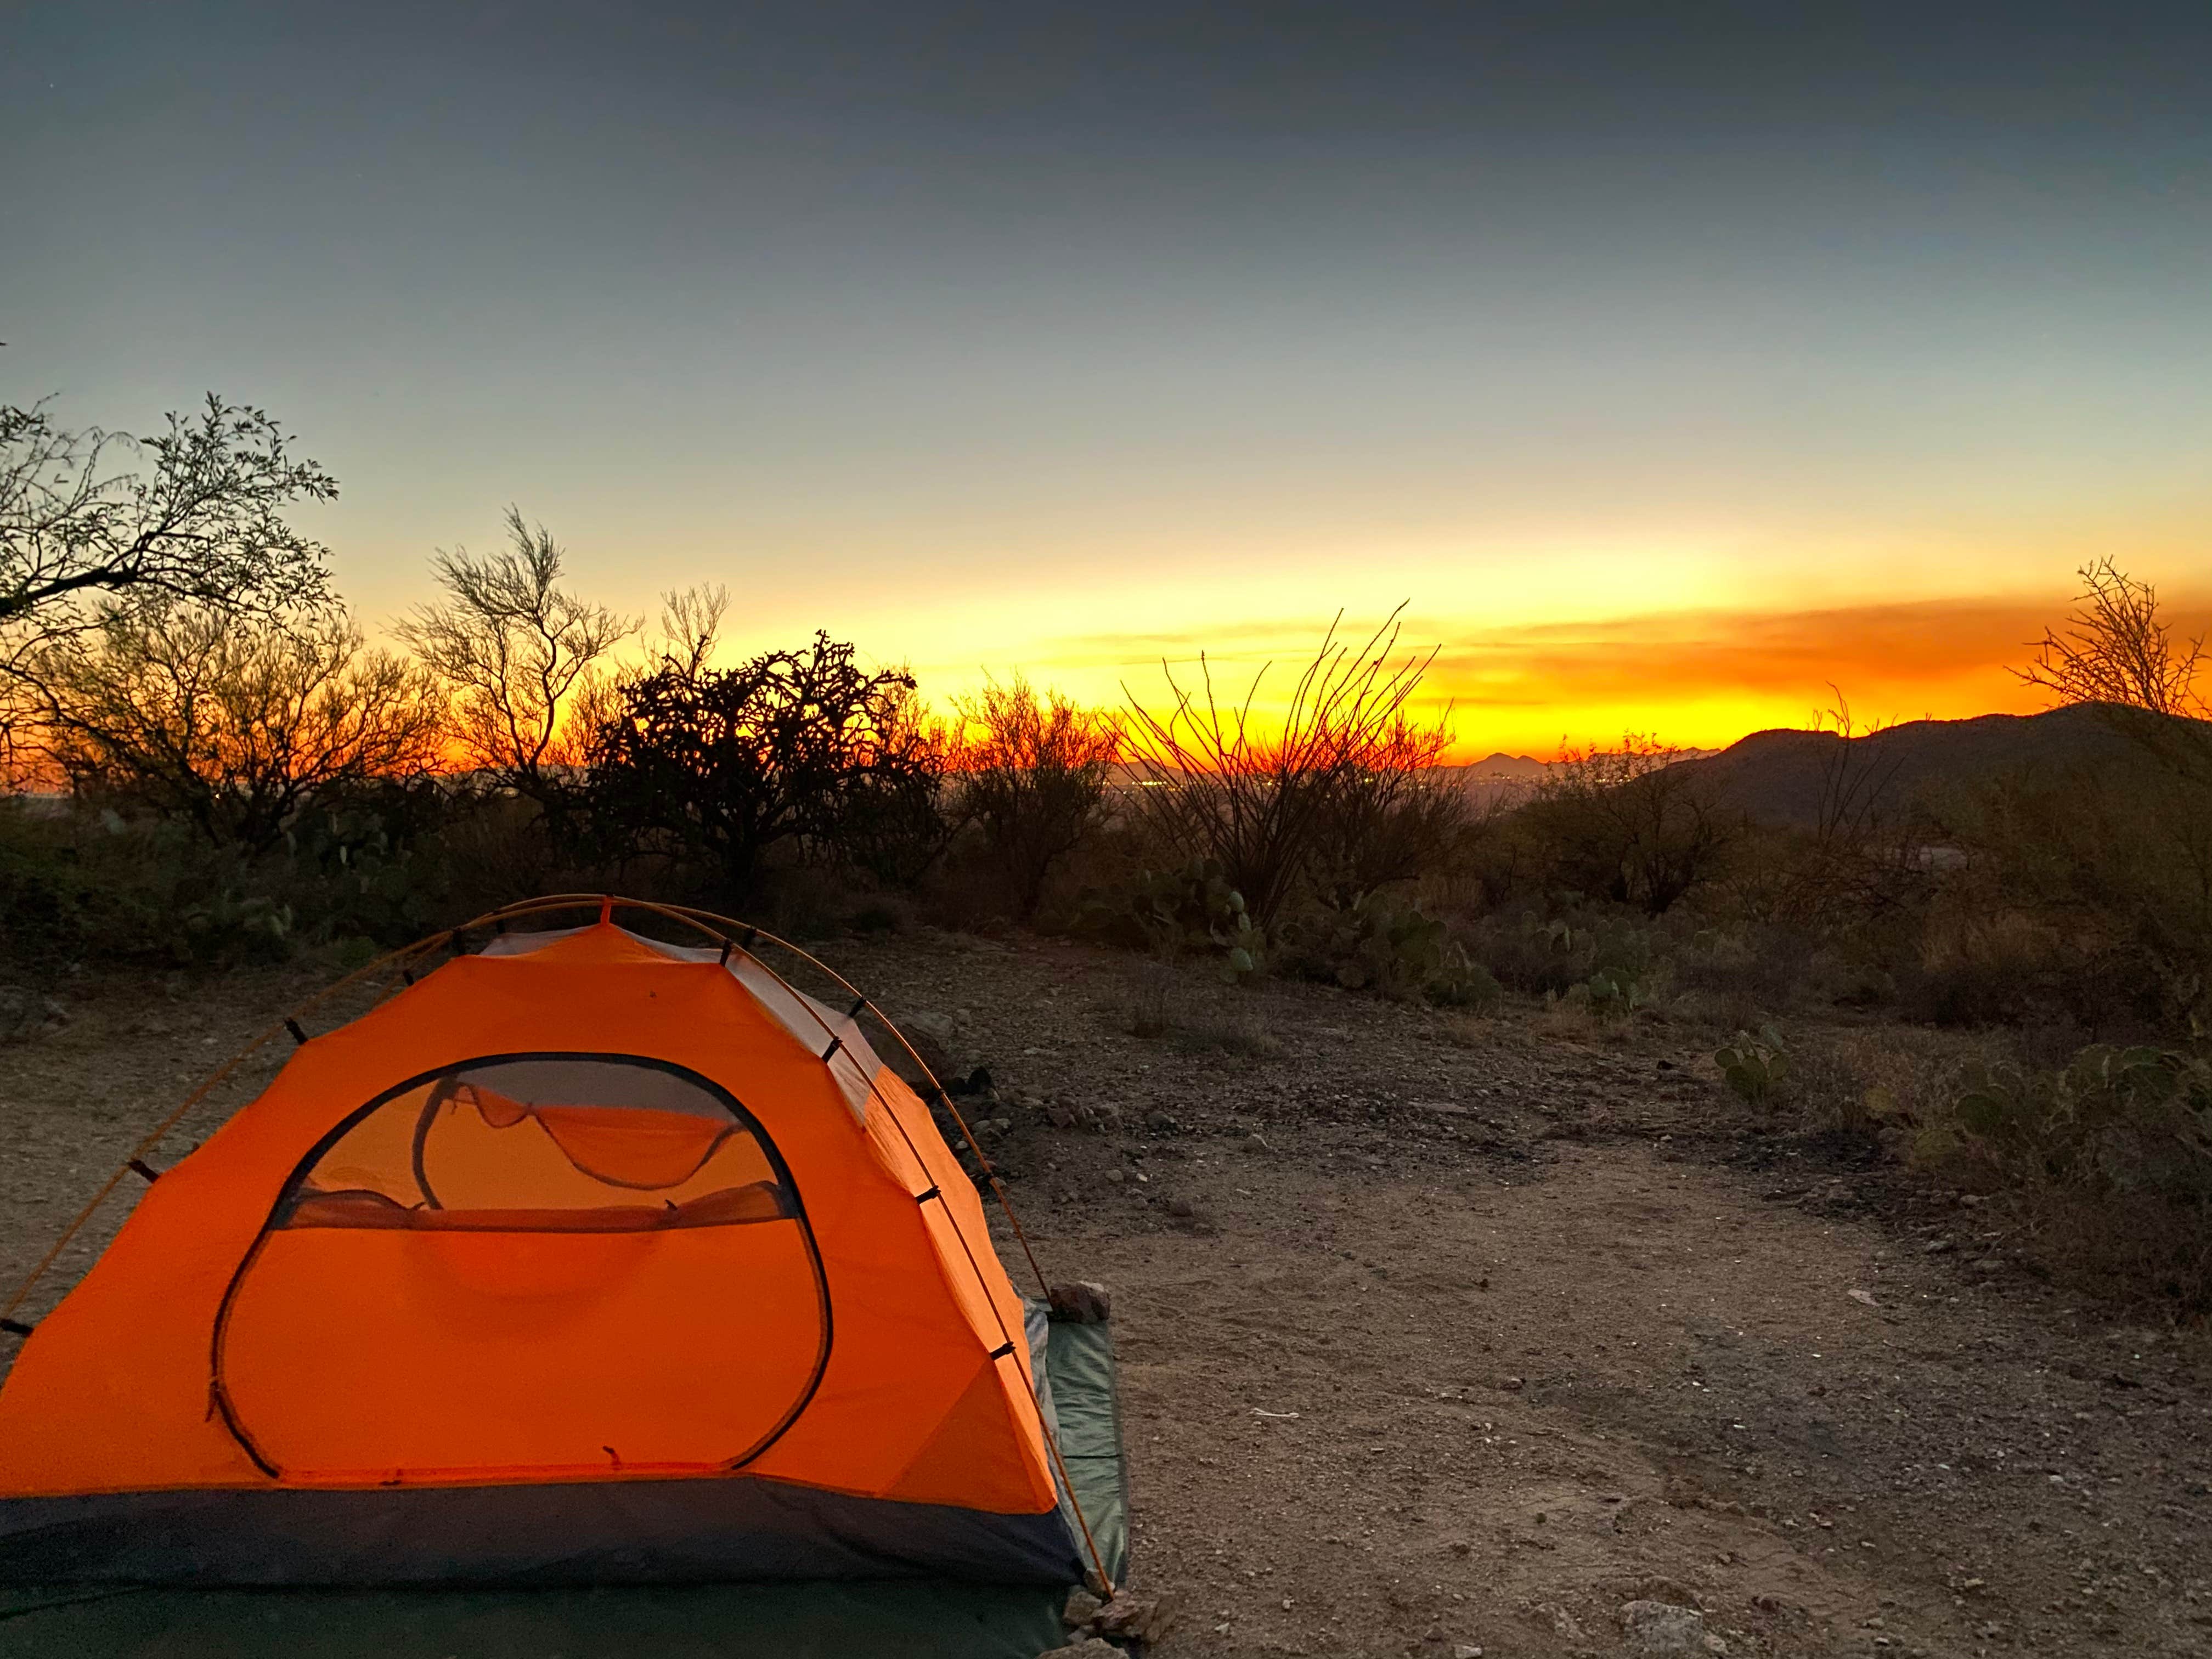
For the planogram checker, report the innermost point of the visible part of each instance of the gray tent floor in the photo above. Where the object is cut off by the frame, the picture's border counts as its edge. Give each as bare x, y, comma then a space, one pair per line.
924, 1619
882, 1619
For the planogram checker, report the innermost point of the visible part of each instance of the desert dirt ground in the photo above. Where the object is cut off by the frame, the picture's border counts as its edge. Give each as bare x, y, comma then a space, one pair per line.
1441, 1332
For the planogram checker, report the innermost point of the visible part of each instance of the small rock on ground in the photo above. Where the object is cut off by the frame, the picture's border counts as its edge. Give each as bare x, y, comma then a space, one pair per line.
1660, 1630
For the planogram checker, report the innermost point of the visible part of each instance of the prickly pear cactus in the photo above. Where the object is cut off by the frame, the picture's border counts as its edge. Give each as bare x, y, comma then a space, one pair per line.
1191, 911
1755, 1066
1378, 944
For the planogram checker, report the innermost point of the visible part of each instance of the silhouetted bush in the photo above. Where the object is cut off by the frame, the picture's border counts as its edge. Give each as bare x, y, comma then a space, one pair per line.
236, 724
2086, 894
1279, 805
1033, 772
798, 748
1629, 825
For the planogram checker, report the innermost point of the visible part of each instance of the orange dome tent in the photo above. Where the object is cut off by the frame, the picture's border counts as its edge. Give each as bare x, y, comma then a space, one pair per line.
586, 1259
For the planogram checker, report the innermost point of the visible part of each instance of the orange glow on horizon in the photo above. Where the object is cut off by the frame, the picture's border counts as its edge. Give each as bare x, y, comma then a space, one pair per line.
1699, 678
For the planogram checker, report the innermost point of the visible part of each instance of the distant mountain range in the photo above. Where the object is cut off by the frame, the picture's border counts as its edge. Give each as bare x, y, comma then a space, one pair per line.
1779, 776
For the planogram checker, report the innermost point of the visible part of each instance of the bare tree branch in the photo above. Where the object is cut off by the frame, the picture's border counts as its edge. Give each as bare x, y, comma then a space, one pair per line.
2114, 648
204, 525
515, 649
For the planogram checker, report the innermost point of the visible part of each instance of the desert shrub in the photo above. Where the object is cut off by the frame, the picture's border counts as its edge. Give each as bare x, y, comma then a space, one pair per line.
372, 866
1629, 825
1393, 818
54, 906
232, 723
2102, 1163
2085, 894
1892, 1081
896, 817
805, 901
1529, 954
798, 750
86, 886
1217, 786
1190, 911
2112, 1155
2113, 863
494, 846
2121, 1121
94, 888
1542, 955
1769, 968
1032, 773
2117, 650
1977, 968
1384, 945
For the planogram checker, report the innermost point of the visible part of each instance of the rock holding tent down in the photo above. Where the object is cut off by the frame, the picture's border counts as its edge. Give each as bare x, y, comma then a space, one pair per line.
935, 1037
1122, 1617
1126, 1618
1084, 1302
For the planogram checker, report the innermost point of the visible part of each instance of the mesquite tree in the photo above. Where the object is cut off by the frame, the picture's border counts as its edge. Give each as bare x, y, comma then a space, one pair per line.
804, 747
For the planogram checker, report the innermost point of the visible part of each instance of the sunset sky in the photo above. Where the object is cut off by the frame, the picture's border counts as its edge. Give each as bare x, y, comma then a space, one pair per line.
1670, 363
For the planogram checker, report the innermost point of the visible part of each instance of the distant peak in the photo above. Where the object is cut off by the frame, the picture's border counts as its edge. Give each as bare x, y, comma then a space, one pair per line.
1502, 762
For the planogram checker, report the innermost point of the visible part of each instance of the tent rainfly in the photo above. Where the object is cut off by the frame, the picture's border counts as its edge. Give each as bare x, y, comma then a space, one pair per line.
588, 1259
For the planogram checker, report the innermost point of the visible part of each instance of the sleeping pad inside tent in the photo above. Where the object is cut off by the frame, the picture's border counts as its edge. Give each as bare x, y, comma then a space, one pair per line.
591, 1286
